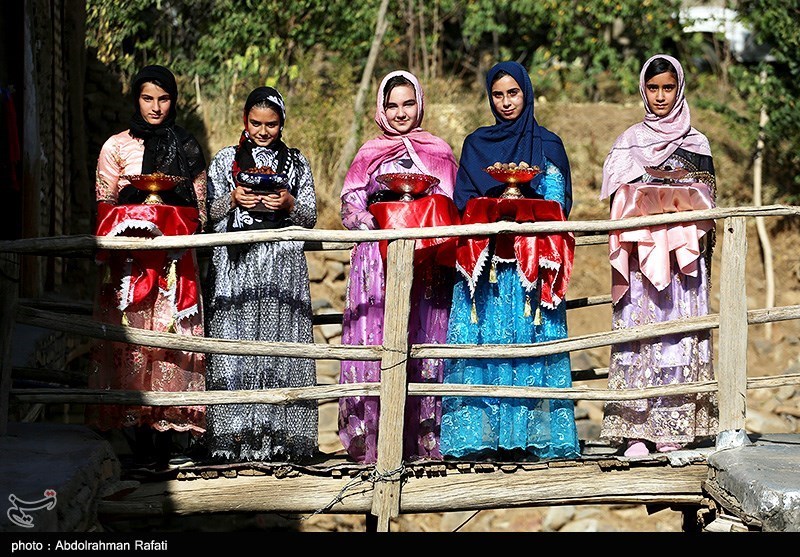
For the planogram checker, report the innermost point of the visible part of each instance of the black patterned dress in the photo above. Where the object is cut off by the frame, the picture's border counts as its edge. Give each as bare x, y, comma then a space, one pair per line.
260, 294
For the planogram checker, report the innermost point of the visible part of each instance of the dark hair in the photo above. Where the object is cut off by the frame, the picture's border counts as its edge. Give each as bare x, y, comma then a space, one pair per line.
271, 105
659, 66
501, 74
395, 82
155, 81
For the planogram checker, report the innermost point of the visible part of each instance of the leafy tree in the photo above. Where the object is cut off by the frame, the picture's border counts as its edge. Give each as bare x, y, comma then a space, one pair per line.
774, 83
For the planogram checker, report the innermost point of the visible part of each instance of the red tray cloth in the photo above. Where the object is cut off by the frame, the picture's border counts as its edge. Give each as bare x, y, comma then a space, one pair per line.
149, 269
543, 258
431, 210
655, 243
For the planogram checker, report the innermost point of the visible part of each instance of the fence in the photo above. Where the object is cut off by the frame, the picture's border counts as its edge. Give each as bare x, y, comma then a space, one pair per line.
732, 321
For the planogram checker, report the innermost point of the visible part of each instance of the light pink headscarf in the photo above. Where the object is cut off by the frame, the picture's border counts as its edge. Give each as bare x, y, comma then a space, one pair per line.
430, 154
653, 140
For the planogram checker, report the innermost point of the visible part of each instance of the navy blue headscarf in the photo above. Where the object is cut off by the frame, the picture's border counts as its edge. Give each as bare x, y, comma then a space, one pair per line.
519, 140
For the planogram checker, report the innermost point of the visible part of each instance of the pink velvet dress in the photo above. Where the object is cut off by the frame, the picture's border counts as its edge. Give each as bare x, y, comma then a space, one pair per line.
431, 295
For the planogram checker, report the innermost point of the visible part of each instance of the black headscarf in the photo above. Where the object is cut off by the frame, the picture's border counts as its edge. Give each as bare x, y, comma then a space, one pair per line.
244, 160
168, 148
244, 151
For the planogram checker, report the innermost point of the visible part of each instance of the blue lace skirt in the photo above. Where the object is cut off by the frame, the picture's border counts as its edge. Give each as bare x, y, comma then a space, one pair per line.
478, 427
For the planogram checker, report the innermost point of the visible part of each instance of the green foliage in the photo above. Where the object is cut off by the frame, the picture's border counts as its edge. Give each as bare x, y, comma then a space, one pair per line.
774, 84
575, 50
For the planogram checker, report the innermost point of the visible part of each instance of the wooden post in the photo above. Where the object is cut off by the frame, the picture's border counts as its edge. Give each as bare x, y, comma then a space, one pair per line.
399, 274
9, 293
732, 368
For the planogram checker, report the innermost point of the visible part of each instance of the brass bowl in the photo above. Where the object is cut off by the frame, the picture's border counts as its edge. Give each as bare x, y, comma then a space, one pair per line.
409, 184
153, 183
511, 177
515, 175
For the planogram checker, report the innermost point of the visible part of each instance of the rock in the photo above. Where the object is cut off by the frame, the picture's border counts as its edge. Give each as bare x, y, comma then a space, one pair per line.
331, 331
316, 269
451, 521
584, 525
335, 270
328, 371
557, 517
759, 422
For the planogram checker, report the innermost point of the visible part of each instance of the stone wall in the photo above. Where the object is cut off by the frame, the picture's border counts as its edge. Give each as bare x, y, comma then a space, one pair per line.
328, 272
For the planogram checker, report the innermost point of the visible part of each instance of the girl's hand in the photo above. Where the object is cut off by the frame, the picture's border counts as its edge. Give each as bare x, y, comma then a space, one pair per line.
279, 200
243, 197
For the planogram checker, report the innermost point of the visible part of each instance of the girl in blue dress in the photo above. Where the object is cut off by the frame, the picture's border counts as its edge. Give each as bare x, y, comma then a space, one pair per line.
497, 313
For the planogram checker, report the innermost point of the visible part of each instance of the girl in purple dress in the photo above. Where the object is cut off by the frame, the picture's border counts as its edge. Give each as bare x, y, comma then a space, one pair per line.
402, 147
665, 139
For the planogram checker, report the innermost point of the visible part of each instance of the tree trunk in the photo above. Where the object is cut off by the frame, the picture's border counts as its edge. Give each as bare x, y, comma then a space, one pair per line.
358, 109
763, 236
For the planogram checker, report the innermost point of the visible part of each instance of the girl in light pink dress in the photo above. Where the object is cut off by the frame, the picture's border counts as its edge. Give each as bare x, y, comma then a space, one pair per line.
150, 289
666, 140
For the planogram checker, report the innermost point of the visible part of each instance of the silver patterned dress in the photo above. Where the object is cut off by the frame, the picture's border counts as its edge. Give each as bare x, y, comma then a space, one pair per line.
261, 295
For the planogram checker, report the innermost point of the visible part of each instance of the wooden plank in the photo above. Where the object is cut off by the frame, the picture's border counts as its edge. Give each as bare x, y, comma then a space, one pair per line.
732, 367
9, 293
81, 325
598, 340
399, 274
331, 392
585, 484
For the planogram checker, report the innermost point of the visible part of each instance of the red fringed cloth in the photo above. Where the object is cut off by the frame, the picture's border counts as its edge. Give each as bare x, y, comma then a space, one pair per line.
171, 271
545, 259
653, 244
431, 210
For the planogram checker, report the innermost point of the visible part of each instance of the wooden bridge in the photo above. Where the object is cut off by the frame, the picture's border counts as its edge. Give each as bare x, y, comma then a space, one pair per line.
685, 480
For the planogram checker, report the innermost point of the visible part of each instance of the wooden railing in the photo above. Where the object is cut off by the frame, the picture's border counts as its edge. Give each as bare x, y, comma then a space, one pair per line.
732, 321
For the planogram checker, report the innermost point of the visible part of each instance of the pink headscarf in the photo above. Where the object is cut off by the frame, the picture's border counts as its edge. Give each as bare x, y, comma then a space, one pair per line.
653, 140
430, 154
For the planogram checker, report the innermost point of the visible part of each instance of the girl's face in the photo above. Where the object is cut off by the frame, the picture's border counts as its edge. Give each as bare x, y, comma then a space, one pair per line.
154, 103
507, 98
402, 109
263, 125
661, 91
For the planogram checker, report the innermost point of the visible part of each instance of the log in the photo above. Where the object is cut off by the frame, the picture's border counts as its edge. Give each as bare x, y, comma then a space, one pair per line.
648, 483
332, 392
64, 245
81, 325
732, 371
400, 266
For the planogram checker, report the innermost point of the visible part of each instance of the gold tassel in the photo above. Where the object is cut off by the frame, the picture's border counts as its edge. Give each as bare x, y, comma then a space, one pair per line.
474, 314
492, 274
125, 319
172, 328
527, 311
172, 275
537, 320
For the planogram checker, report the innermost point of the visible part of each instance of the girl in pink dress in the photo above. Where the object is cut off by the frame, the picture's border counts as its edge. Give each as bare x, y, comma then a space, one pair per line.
403, 147
172, 303
666, 140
